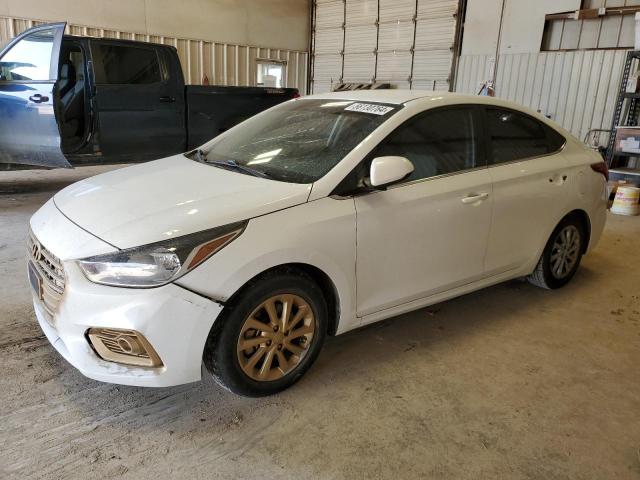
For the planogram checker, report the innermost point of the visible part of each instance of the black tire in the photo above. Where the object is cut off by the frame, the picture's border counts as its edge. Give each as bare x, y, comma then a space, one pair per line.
545, 276
221, 356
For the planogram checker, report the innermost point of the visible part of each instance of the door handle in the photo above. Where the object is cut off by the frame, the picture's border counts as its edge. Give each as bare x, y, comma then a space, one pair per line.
37, 98
475, 197
167, 99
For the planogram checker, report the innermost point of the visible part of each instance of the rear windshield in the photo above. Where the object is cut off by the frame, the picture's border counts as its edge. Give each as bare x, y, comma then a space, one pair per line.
301, 140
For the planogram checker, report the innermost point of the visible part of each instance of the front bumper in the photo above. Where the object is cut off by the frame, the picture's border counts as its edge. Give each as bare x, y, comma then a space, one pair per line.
174, 320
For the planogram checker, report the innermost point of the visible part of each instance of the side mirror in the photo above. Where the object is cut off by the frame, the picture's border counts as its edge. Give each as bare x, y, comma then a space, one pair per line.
388, 170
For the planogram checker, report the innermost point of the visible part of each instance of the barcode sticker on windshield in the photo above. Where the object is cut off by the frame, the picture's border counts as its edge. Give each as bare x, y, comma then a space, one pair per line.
369, 108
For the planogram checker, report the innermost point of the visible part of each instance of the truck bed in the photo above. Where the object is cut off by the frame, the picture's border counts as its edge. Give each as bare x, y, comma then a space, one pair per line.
213, 109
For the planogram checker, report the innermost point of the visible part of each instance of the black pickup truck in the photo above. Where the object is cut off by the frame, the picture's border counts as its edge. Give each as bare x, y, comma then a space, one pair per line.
67, 100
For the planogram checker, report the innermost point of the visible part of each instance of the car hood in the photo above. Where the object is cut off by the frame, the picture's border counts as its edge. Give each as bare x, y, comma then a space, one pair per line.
174, 196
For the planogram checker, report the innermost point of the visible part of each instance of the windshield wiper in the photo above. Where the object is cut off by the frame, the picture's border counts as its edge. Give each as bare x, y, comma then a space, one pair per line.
200, 156
233, 165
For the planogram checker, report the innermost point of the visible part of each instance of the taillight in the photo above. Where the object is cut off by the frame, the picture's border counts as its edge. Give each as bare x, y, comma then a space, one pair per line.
296, 94
601, 167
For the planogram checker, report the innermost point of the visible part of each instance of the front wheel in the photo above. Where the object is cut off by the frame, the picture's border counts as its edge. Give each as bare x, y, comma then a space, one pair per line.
561, 257
270, 335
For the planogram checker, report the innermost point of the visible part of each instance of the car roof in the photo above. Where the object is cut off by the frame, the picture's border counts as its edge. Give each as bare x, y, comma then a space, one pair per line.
393, 96
399, 97
433, 98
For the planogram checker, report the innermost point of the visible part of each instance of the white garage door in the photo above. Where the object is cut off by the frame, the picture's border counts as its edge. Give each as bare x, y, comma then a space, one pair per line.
408, 43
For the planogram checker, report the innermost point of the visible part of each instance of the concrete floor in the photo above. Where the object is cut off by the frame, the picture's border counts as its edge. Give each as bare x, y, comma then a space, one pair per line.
510, 382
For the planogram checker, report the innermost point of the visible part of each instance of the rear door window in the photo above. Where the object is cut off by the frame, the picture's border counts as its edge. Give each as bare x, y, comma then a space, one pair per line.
30, 59
126, 65
516, 136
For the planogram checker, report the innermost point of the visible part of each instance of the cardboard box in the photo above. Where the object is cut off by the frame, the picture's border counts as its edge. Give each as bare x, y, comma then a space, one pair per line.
627, 140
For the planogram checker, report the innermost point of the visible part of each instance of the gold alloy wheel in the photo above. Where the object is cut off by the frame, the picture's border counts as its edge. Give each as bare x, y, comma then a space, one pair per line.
275, 337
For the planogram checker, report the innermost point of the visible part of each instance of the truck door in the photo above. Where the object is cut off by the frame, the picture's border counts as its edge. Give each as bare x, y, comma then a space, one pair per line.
139, 105
29, 132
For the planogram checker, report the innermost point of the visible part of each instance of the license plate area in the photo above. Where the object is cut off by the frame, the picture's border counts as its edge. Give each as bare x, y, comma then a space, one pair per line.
35, 279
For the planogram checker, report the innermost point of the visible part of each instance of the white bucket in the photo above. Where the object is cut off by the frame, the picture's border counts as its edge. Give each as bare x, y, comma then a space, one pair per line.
626, 201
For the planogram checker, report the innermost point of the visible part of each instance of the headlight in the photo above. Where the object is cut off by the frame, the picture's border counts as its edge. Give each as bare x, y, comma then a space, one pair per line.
158, 263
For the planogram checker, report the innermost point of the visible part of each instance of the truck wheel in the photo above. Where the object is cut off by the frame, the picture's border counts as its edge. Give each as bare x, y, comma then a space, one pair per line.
561, 256
270, 335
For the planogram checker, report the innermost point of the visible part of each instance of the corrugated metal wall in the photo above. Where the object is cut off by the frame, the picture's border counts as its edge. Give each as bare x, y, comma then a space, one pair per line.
577, 89
222, 63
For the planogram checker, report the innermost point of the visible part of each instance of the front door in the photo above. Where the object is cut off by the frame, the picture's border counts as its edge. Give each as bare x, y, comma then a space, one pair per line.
428, 234
140, 110
29, 132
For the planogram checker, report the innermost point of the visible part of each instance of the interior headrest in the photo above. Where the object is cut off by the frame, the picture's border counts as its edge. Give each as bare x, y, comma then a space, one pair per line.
67, 71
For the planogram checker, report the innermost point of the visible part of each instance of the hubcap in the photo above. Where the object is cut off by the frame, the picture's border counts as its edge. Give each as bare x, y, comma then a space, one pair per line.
275, 337
565, 251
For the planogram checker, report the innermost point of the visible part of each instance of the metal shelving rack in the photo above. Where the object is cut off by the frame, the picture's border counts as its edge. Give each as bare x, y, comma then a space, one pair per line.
627, 107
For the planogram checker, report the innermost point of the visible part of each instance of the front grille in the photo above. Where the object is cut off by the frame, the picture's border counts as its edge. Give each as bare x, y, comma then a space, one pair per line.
51, 271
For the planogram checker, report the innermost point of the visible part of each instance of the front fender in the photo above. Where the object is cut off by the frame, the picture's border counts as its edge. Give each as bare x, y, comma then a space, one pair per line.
321, 234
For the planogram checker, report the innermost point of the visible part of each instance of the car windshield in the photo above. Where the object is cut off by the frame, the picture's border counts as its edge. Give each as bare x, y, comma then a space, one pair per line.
298, 141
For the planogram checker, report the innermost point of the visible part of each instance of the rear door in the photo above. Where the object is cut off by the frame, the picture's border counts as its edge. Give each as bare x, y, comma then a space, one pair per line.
530, 186
29, 132
140, 105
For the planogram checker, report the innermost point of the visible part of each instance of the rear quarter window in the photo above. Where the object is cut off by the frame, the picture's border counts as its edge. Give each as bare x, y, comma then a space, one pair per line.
513, 135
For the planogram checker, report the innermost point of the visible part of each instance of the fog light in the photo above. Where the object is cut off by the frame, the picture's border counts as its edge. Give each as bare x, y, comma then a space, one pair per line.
123, 346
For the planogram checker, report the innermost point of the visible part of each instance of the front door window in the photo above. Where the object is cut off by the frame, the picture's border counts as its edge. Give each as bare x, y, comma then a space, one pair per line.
30, 58
437, 142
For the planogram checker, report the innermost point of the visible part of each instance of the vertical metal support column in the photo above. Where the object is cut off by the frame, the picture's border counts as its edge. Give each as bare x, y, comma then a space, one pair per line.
375, 68
344, 38
413, 44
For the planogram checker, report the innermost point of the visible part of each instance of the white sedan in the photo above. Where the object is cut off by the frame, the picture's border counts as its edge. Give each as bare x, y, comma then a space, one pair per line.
313, 218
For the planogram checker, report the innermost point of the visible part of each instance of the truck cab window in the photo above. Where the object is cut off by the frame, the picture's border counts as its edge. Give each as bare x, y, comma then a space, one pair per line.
126, 65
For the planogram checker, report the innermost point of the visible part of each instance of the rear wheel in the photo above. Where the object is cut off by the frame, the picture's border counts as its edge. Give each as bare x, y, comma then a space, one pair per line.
561, 257
269, 337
